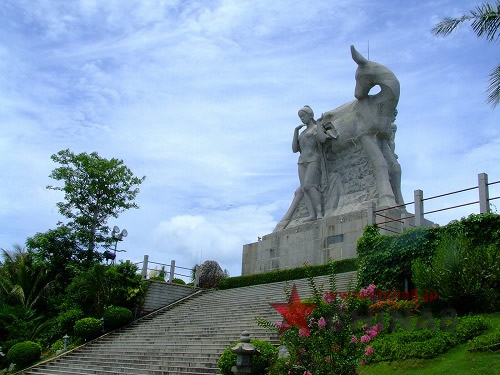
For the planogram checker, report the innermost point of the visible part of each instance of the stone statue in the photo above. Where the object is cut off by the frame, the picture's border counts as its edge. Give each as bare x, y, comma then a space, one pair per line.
308, 143
360, 165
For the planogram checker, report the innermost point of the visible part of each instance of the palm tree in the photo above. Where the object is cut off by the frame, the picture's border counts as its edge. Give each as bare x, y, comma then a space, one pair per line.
485, 22
22, 282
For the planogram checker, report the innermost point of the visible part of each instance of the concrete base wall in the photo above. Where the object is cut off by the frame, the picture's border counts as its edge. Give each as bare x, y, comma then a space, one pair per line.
161, 294
313, 243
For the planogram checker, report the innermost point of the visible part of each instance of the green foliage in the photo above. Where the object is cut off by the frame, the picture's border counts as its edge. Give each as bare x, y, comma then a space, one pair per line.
58, 250
88, 328
58, 345
22, 281
486, 342
485, 20
178, 281
116, 317
67, 320
464, 276
95, 189
24, 353
103, 285
345, 265
425, 343
387, 260
260, 362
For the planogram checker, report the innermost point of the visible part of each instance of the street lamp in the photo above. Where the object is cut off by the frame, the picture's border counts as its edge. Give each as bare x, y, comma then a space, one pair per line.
117, 236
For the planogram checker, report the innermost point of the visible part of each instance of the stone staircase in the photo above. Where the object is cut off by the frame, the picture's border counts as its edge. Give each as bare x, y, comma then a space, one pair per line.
186, 337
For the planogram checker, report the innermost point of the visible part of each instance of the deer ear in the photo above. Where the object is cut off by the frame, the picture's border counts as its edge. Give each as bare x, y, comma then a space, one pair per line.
356, 56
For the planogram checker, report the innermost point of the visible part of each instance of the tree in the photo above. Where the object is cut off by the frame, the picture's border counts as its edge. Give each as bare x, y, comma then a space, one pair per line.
22, 282
95, 189
485, 22
59, 252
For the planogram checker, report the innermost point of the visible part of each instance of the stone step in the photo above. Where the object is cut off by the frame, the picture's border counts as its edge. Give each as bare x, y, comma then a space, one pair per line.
185, 338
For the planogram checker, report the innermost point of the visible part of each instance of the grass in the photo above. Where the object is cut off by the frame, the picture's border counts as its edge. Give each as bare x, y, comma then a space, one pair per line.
457, 361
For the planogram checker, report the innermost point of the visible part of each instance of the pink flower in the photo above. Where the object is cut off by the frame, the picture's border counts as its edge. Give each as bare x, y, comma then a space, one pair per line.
327, 297
365, 339
328, 359
362, 363
321, 322
278, 324
304, 333
369, 351
307, 373
354, 339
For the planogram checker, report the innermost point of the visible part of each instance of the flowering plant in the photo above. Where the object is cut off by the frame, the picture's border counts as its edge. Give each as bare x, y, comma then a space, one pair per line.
331, 343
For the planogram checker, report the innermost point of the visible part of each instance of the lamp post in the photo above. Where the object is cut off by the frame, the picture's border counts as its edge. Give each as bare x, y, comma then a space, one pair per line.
102, 324
244, 351
117, 236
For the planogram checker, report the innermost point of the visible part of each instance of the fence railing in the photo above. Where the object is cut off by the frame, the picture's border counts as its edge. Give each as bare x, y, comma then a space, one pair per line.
389, 221
171, 272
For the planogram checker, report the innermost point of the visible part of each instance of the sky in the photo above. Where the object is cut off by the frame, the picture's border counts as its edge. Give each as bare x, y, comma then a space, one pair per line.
201, 97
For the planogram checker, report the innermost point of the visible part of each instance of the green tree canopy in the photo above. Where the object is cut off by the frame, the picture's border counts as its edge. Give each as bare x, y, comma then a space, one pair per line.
485, 20
95, 189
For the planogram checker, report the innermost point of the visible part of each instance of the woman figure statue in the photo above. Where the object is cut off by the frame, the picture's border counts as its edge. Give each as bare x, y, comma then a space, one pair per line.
308, 143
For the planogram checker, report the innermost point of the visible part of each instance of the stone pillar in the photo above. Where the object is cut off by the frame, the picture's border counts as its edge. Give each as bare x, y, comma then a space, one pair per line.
372, 218
197, 276
419, 207
144, 273
172, 271
484, 195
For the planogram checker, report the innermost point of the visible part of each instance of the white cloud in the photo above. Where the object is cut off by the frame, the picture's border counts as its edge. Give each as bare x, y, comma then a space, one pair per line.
202, 98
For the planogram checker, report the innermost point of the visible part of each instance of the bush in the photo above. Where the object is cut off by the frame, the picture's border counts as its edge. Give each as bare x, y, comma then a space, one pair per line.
341, 266
116, 317
210, 274
67, 320
24, 353
387, 260
178, 281
425, 343
88, 328
464, 275
260, 362
489, 341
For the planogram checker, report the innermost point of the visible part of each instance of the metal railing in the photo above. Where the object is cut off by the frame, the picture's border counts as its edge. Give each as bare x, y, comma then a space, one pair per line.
383, 218
171, 272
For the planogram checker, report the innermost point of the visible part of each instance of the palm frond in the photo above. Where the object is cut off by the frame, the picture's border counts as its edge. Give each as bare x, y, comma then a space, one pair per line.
448, 25
493, 89
486, 20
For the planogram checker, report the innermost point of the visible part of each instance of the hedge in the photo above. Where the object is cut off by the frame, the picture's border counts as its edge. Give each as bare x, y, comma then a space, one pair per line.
386, 260
24, 353
340, 266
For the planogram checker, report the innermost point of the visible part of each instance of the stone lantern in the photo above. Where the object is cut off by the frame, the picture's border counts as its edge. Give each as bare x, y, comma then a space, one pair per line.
244, 351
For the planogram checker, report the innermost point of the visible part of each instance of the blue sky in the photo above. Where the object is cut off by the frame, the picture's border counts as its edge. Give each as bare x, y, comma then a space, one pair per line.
202, 98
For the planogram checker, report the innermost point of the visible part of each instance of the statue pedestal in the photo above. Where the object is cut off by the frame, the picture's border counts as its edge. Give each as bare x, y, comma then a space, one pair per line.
313, 243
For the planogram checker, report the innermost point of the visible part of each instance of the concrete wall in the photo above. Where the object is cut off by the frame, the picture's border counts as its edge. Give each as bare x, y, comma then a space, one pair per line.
334, 237
161, 294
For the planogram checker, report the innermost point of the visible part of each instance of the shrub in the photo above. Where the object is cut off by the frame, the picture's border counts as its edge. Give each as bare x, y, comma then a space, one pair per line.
67, 320
387, 260
345, 265
58, 345
24, 353
88, 328
115, 317
489, 341
463, 274
210, 274
425, 343
260, 362
178, 281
